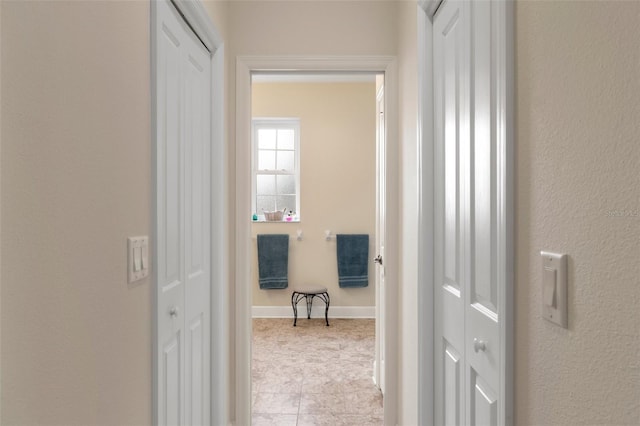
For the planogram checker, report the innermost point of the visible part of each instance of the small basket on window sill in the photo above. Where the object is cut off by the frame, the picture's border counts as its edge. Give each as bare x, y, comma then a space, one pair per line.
274, 216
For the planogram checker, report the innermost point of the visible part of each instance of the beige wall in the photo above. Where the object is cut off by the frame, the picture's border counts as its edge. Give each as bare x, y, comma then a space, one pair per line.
75, 183
577, 163
313, 27
337, 180
301, 28
218, 11
75, 175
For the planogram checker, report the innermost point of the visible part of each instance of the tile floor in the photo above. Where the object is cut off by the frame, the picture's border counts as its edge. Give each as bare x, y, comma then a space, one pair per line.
313, 374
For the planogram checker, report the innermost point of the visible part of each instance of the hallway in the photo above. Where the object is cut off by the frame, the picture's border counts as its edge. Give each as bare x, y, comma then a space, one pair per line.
313, 374
78, 150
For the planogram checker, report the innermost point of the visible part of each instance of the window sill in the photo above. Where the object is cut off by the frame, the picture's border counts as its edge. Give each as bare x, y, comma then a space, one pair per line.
276, 221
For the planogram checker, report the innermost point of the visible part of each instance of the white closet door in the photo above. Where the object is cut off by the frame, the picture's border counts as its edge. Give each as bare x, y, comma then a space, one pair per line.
452, 141
469, 216
197, 122
183, 90
481, 303
170, 224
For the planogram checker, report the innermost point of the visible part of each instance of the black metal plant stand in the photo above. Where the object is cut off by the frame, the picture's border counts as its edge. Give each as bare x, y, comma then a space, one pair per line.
298, 295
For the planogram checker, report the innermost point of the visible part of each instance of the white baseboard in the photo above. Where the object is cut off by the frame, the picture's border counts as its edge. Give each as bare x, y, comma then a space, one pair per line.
316, 312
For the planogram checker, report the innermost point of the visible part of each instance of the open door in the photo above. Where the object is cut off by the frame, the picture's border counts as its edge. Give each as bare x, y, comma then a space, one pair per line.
379, 367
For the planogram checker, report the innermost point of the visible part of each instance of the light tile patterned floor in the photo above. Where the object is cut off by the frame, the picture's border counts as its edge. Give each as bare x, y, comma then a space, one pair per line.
313, 374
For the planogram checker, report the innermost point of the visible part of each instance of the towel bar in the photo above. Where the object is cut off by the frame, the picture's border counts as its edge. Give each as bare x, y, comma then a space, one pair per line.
298, 236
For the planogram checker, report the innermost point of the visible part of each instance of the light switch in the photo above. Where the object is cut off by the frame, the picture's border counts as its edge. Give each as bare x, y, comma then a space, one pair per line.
554, 288
145, 255
138, 249
550, 284
137, 259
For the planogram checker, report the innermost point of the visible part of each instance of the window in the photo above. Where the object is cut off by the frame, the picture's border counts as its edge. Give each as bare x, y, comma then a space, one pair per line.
276, 166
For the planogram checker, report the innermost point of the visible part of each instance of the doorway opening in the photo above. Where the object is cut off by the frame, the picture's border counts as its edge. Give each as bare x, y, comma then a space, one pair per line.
323, 256
316, 143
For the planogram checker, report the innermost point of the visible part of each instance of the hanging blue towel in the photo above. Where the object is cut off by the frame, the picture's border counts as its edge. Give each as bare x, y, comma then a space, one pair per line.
353, 260
273, 261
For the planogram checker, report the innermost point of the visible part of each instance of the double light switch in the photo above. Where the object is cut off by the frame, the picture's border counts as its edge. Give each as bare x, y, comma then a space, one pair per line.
554, 288
138, 249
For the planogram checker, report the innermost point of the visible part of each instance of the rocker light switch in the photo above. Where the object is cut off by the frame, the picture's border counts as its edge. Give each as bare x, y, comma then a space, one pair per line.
550, 284
554, 288
145, 255
137, 259
138, 249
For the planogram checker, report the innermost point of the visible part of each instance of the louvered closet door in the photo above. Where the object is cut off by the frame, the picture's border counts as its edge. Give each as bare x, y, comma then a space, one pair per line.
183, 224
467, 335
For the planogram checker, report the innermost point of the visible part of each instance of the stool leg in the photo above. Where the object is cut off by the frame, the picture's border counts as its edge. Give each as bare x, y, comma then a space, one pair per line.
309, 305
326, 308
294, 304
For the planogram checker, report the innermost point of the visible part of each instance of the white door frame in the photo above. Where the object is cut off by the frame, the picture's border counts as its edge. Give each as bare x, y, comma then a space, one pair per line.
506, 175
378, 371
245, 65
198, 19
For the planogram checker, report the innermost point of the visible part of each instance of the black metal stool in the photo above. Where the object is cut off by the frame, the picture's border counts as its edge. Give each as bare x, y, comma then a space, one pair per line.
309, 294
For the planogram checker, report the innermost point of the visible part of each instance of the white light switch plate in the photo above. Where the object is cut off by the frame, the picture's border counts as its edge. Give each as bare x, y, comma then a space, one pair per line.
554, 288
138, 254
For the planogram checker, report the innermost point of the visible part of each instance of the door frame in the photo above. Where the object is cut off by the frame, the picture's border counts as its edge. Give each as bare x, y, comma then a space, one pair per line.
196, 16
245, 66
505, 175
378, 370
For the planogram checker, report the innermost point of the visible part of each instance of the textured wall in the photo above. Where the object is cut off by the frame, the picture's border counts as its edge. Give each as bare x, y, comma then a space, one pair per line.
76, 181
578, 192
337, 181
218, 12
313, 27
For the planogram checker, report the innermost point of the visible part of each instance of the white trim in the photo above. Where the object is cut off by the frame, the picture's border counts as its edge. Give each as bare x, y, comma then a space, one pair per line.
507, 333
313, 78
245, 65
429, 6
378, 373
242, 349
426, 234
219, 247
506, 175
198, 19
317, 311
153, 246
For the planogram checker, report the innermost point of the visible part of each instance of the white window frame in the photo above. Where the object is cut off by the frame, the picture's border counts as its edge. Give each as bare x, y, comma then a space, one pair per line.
274, 123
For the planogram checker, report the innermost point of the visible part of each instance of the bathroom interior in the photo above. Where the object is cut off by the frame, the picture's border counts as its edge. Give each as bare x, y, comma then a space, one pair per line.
315, 140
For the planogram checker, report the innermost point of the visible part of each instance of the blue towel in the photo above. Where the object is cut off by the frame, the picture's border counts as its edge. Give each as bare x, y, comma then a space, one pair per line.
273, 261
353, 260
